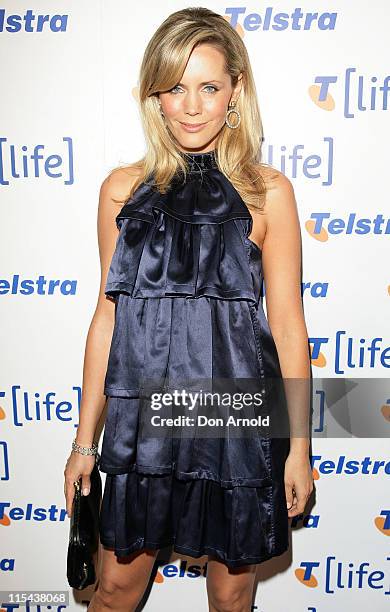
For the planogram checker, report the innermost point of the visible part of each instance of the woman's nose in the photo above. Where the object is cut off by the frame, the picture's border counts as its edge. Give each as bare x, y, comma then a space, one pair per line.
192, 104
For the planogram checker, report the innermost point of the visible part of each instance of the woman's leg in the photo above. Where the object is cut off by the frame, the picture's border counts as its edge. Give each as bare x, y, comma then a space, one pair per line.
122, 582
229, 590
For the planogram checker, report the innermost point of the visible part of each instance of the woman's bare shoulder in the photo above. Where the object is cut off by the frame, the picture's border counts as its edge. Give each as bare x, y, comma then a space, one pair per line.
280, 206
274, 179
279, 194
118, 182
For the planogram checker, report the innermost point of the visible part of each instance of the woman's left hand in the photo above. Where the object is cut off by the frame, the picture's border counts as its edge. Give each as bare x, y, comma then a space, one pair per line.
298, 482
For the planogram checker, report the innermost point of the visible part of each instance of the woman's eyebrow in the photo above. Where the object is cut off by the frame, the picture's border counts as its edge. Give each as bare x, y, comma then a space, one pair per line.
204, 82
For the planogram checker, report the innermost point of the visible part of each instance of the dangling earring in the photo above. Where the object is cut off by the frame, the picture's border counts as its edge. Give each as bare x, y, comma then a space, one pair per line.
161, 113
233, 110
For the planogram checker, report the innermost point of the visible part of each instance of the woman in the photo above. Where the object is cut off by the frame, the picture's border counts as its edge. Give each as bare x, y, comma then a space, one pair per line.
201, 220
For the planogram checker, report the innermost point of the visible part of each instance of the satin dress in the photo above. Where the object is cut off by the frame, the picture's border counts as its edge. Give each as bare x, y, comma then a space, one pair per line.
186, 280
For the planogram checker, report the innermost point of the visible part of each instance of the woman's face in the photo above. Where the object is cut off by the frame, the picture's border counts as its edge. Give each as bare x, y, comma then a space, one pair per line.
201, 97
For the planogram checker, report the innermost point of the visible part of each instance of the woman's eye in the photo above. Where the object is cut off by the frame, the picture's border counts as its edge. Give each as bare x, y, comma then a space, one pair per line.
176, 88
212, 87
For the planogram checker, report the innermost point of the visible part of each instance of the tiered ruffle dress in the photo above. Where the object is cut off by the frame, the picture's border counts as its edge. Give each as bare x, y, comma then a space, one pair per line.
186, 280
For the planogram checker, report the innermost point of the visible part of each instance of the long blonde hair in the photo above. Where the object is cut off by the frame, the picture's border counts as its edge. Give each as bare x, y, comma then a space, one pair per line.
166, 55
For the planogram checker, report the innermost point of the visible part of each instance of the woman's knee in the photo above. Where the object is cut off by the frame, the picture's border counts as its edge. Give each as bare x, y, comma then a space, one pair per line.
122, 583
230, 590
115, 595
226, 599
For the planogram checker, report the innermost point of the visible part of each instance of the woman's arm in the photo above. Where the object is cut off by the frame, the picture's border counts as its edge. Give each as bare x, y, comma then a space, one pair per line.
282, 275
99, 337
114, 187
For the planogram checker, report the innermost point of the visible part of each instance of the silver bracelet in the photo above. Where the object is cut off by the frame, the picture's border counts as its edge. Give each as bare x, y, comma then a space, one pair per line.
85, 450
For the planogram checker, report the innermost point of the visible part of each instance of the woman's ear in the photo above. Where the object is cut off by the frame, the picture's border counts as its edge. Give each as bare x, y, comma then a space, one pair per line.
237, 89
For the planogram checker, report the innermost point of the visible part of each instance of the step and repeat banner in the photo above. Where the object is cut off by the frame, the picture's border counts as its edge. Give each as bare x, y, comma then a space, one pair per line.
69, 115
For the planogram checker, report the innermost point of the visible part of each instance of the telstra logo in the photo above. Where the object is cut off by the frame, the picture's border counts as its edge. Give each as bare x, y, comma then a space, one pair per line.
29, 22
344, 466
183, 570
351, 353
320, 225
39, 285
358, 93
275, 21
341, 575
30, 512
36, 162
27, 408
382, 522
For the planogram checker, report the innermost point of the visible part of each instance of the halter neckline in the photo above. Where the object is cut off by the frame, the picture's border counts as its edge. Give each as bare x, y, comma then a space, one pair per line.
200, 161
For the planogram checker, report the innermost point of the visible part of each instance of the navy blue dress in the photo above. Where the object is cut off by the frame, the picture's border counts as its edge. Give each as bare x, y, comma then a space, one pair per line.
186, 280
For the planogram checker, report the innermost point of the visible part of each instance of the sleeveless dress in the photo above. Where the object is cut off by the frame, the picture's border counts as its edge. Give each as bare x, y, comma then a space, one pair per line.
186, 280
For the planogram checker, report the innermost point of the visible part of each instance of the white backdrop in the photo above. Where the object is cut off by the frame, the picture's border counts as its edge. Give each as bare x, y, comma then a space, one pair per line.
68, 95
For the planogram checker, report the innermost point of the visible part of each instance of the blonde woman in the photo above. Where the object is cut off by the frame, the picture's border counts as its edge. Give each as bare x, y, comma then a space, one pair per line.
201, 221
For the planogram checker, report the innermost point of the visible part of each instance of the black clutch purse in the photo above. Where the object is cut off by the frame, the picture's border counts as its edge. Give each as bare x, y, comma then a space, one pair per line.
84, 533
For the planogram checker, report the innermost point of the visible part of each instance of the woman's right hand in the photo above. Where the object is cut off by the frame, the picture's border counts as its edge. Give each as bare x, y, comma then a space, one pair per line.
77, 466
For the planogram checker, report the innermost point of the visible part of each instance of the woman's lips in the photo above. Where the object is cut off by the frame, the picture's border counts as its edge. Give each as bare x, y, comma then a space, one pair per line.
192, 127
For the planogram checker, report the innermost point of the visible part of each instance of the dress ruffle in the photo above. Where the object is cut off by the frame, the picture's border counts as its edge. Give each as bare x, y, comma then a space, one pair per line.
180, 339
229, 461
191, 241
238, 526
220, 497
